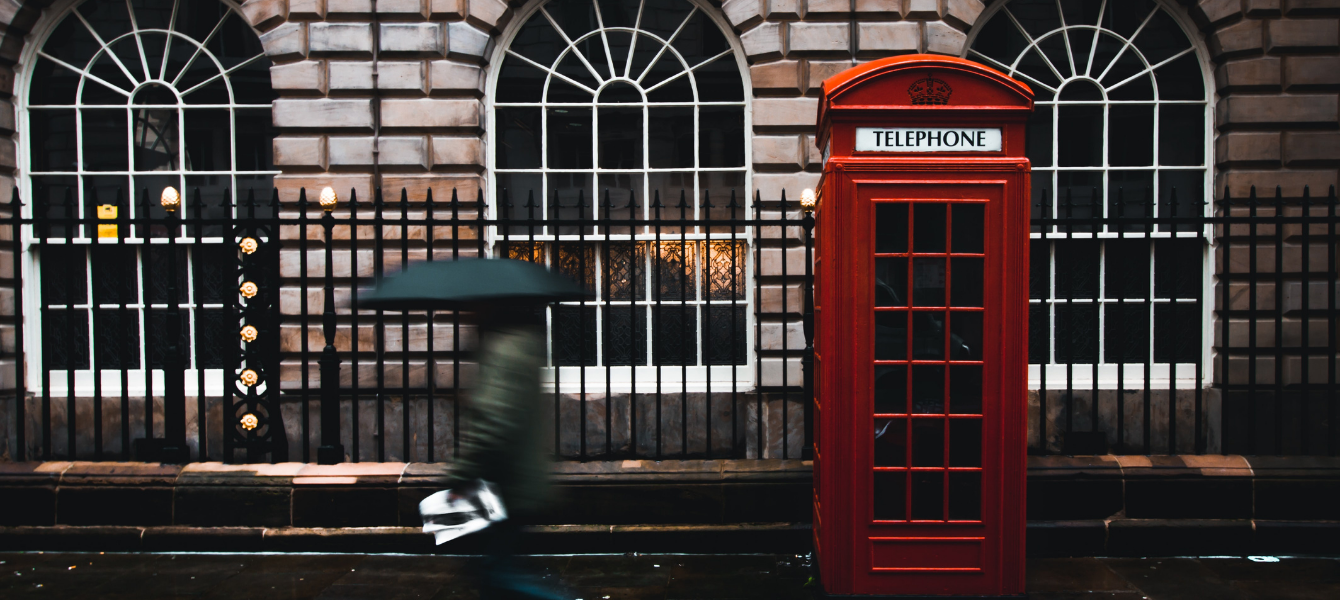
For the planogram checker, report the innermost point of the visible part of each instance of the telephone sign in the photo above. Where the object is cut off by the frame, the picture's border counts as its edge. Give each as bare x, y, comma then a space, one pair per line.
921, 343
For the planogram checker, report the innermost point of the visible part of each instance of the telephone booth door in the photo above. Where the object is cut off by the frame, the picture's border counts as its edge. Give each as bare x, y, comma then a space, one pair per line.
921, 338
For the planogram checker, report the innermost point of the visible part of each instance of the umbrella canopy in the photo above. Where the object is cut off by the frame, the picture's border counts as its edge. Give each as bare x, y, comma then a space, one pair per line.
456, 283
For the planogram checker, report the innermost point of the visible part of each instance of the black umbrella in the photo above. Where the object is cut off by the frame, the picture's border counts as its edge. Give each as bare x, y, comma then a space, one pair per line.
456, 283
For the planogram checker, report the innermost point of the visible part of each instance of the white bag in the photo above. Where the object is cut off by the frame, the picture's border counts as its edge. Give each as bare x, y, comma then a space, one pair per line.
473, 510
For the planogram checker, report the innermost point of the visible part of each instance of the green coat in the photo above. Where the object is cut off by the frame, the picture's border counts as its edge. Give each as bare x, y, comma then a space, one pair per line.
503, 432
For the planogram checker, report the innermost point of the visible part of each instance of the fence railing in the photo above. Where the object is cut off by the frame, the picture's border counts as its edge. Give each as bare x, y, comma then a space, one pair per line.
1161, 327
1156, 326
253, 351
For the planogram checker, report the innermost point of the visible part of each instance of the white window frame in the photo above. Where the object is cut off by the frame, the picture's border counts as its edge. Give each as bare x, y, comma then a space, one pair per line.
623, 378
137, 379
1078, 375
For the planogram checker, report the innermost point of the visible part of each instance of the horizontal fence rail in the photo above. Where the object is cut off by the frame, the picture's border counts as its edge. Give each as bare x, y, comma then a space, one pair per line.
226, 329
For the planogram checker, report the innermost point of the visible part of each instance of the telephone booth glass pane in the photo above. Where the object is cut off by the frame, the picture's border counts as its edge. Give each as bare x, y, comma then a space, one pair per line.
929, 301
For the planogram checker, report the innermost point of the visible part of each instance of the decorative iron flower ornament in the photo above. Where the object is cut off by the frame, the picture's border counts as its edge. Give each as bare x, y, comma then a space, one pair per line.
328, 199
170, 198
249, 290
249, 245
249, 333
249, 377
249, 421
807, 201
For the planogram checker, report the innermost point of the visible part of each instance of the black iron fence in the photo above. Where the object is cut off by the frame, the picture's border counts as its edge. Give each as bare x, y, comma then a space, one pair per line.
226, 330
238, 323
1169, 327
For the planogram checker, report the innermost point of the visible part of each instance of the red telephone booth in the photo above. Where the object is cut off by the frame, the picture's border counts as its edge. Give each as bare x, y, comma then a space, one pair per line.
921, 337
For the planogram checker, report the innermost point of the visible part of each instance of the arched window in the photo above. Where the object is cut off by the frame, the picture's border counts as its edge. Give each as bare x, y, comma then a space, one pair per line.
602, 108
123, 98
1121, 130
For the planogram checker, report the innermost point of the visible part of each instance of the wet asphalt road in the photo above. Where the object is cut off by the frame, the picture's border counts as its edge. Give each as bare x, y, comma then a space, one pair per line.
111, 576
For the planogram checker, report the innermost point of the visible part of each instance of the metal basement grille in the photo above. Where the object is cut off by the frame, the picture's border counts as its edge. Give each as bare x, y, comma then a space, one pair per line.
137, 97
1119, 132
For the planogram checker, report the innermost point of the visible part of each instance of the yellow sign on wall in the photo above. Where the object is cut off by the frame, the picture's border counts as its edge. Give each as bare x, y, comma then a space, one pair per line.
107, 212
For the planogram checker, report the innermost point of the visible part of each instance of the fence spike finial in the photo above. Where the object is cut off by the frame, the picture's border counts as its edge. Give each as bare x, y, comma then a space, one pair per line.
707, 200
632, 203
683, 204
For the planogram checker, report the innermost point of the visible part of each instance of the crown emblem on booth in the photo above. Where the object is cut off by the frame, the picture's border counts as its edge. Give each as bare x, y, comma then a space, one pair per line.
929, 91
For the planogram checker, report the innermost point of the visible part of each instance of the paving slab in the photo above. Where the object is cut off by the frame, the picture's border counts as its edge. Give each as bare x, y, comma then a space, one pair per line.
243, 576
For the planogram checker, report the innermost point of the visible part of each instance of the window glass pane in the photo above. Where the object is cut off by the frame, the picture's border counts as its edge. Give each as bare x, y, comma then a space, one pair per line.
928, 335
1177, 333
514, 191
574, 335
965, 389
1161, 38
928, 227
721, 136
890, 442
156, 139
890, 495
674, 337
626, 336
1036, 68
569, 136
1039, 333
891, 227
620, 142
158, 340
1181, 194
1039, 269
108, 17
53, 145
968, 228
890, 336
577, 72
1133, 146
519, 81
1038, 137
105, 140
1053, 48
108, 84
928, 389
725, 270
255, 139
720, 189
1139, 88
1077, 268
114, 274
1177, 268
891, 281
965, 496
1001, 40
518, 137
928, 495
52, 84
214, 269
967, 282
890, 389
1076, 332
208, 139
1181, 79
537, 39
674, 84
671, 137
1126, 333
214, 337
928, 442
116, 338
1080, 135
619, 44
724, 335
965, 442
719, 80
965, 339
65, 339
673, 267
1182, 134
928, 282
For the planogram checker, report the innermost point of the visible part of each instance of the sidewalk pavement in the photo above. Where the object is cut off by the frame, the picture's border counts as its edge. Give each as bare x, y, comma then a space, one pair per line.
113, 576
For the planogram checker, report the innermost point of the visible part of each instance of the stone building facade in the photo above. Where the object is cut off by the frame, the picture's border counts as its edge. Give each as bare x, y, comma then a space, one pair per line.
398, 94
